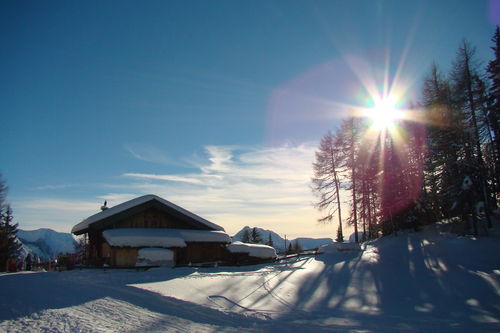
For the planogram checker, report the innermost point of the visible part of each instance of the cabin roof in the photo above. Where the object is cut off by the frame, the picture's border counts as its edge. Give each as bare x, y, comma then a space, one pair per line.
138, 237
116, 213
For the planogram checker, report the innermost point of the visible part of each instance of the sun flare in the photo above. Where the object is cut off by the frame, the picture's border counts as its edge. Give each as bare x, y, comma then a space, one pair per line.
383, 114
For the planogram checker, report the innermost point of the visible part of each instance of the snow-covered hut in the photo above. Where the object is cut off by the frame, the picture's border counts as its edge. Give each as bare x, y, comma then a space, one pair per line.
118, 235
245, 253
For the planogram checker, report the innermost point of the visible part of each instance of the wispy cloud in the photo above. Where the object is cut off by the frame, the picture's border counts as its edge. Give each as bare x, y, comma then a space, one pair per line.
54, 187
148, 153
232, 186
173, 178
237, 186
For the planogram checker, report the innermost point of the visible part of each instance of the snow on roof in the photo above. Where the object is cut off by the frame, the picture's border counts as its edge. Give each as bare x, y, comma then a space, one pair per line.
135, 202
204, 236
144, 237
253, 250
137, 237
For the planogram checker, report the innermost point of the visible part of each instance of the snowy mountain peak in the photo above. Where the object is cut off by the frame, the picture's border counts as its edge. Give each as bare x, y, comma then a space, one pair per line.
46, 243
279, 242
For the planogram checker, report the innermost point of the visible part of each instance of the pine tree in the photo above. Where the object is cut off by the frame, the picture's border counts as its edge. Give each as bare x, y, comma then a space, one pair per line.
245, 237
270, 241
255, 236
3, 192
9, 245
297, 248
326, 181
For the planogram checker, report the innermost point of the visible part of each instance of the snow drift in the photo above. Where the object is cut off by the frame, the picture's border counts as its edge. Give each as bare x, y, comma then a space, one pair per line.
429, 281
253, 250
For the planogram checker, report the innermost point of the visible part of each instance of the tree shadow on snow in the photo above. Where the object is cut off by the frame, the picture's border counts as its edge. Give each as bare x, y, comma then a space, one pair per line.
404, 283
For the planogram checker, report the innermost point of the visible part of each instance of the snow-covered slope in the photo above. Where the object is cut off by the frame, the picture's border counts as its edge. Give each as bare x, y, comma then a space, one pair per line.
430, 281
279, 242
46, 243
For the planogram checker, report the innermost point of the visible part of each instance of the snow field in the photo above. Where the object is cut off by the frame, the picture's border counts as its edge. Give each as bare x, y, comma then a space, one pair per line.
429, 281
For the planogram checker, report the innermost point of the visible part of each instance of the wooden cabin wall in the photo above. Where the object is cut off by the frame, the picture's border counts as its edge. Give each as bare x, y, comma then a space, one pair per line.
203, 252
152, 218
124, 256
107, 254
95, 248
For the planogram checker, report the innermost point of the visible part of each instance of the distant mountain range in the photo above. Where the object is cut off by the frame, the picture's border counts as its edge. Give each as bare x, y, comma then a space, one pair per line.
45, 243
279, 242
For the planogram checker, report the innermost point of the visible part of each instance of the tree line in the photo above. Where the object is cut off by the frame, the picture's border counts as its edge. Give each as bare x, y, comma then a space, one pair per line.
441, 160
9, 244
253, 236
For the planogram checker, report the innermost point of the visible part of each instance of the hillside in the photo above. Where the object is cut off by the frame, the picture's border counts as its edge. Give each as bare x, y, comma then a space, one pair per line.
430, 281
279, 242
45, 243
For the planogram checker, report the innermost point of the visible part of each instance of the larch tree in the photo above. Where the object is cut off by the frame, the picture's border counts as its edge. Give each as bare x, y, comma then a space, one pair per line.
326, 181
348, 142
446, 144
493, 114
464, 75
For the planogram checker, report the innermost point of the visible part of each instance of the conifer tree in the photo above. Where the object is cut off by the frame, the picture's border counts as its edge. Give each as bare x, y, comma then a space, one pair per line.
348, 140
255, 236
493, 114
297, 248
81, 249
270, 241
464, 75
340, 236
245, 237
446, 144
326, 180
9, 245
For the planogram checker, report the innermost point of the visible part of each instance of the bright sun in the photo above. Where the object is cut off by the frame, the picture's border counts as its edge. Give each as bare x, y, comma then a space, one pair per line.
383, 114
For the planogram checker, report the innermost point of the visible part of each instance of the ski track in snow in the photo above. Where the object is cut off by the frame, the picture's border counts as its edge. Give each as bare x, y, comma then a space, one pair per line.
415, 282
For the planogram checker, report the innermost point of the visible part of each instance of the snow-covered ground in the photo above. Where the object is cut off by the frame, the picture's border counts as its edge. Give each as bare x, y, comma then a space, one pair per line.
429, 281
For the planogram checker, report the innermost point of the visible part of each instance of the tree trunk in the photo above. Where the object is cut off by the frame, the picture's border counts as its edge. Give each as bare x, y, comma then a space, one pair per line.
353, 175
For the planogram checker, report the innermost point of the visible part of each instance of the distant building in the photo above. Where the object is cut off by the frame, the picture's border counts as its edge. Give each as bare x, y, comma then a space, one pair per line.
150, 230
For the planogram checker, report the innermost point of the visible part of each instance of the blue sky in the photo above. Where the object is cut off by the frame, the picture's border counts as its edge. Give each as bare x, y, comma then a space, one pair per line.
215, 105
